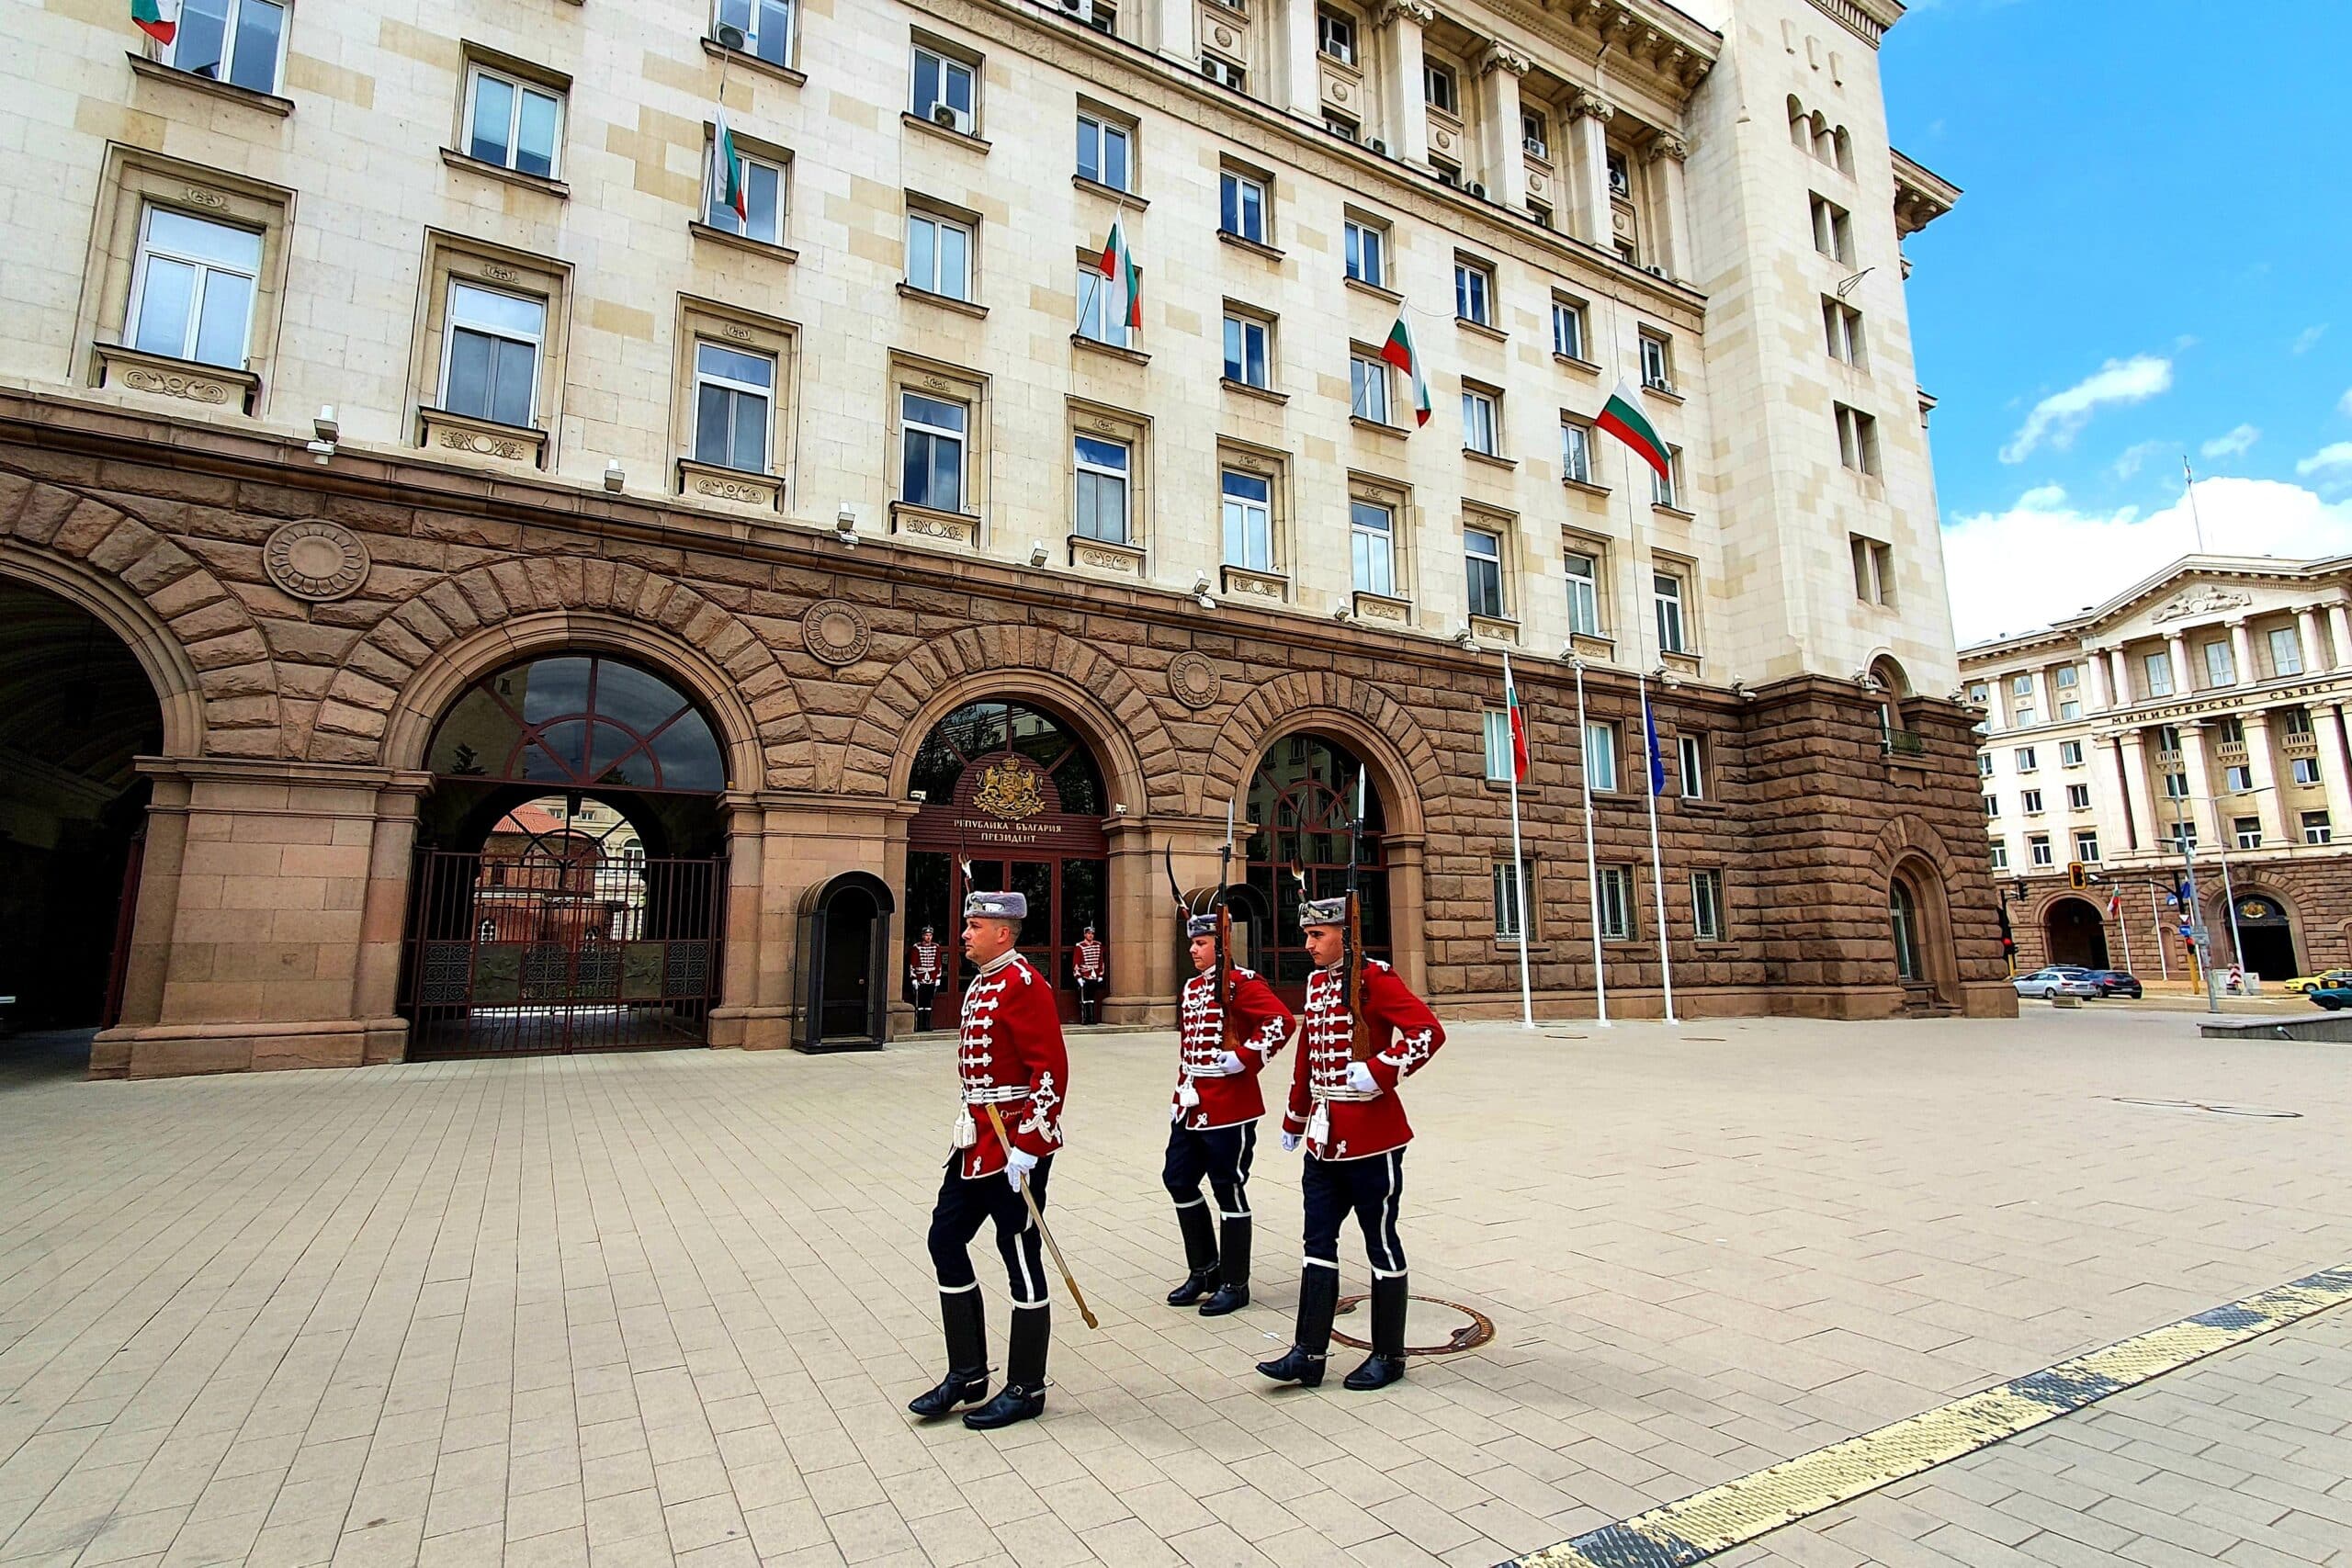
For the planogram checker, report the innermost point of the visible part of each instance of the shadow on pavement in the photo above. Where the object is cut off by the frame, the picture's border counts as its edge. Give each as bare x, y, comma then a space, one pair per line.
44, 1056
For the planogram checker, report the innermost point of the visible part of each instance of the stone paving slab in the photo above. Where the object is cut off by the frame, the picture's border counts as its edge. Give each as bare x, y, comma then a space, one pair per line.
668, 1307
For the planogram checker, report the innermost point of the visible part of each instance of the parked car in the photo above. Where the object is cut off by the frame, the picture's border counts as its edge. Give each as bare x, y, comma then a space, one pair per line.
2047, 983
2332, 998
2334, 978
2114, 982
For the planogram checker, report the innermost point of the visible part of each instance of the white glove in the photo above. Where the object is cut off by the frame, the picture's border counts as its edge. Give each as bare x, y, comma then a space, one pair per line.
1360, 1078
1018, 1164
1290, 1143
1228, 1065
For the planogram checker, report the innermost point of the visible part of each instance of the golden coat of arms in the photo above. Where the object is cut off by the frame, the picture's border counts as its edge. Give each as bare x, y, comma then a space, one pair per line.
1009, 791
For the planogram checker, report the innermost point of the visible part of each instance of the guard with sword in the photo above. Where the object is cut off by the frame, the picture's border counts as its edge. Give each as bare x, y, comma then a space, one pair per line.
1363, 1032
1015, 1072
1231, 1024
922, 968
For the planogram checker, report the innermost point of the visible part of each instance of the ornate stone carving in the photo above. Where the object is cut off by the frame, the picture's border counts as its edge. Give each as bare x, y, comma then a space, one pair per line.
1666, 144
836, 632
1501, 56
1267, 585
315, 560
198, 196
1444, 140
1590, 104
1535, 183
1380, 607
1420, 13
736, 332
2200, 602
1193, 681
482, 443
739, 490
1225, 38
497, 273
173, 384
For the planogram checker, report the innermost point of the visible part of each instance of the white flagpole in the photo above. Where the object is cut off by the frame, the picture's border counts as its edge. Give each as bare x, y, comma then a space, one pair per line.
1657, 863
1518, 863
1591, 875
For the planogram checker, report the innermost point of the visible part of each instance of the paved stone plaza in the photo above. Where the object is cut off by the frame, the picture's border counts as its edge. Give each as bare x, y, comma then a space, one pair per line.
632, 1308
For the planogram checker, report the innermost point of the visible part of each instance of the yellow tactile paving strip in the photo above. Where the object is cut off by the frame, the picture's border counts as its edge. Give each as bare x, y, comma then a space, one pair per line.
1705, 1523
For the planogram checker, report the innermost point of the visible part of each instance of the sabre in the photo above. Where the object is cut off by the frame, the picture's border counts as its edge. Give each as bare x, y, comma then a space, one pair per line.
1359, 1033
1224, 930
996, 1120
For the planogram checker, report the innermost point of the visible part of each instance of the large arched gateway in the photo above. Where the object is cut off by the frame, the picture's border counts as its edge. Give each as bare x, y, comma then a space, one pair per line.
1302, 799
2075, 932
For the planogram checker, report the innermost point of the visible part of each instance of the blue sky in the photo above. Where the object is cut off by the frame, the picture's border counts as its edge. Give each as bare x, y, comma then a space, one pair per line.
2154, 257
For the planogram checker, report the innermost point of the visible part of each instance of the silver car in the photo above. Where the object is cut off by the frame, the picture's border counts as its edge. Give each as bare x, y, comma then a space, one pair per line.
2060, 982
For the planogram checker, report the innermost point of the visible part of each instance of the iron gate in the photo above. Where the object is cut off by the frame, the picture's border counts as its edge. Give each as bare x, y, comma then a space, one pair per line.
555, 950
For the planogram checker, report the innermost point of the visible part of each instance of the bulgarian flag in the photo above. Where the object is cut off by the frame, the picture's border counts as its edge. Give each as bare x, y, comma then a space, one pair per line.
1399, 351
727, 171
159, 19
1625, 421
1119, 269
1519, 758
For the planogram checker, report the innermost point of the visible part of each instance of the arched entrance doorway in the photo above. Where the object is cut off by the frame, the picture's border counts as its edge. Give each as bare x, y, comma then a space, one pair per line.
840, 977
77, 710
1012, 787
2074, 932
1918, 918
568, 890
1903, 919
2266, 937
1302, 799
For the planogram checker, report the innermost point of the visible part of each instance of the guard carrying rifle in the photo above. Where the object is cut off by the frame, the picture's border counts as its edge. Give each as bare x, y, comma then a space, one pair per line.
922, 968
1086, 968
1364, 1031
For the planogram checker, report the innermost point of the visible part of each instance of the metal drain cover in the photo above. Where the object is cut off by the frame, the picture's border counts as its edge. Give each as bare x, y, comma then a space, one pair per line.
1477, 1330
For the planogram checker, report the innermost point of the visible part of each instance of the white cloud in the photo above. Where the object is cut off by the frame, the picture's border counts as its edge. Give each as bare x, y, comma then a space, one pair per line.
2328, 461
2308, 339
2061, 416
2041, 560
2236, 444
2133, 458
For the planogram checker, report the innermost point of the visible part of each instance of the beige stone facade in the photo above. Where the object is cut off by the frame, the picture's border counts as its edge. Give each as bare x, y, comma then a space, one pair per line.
418, 349
2193, 724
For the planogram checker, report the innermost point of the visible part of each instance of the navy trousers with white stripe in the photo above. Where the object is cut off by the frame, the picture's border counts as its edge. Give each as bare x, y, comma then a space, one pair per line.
1371, 1187
965, 1204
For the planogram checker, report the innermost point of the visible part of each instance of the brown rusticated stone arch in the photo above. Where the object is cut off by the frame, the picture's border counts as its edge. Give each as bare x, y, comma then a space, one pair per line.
197, 642
1907, 847
1139, 756
1374, 725
619, 606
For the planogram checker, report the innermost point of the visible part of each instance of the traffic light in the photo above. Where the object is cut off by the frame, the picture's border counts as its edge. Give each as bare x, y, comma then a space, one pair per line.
2076, 879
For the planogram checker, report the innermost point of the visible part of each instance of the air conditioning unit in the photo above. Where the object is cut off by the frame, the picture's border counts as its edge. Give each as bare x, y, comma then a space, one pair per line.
1535, 145
952, 118
1655, 271
1477, 191
1377, 145
1083, 9
1620, 185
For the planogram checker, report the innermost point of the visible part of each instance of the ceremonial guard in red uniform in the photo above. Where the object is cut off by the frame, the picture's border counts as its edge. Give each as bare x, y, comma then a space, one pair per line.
1086, 968
1345, 1108
1221, 1049
923, 969
1011, 1063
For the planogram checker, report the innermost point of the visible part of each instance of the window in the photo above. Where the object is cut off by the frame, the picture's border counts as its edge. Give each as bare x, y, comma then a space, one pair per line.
1371, 530
1658, 363
1540, 213
1980, 694
2248, 830
237, 41
1104, 152
1367, 251
2037, 847
2167, 737
1666, 593
1991, 805
2220, 668
1242, 209
1615, 891
491, 365
1873, 569
1666, 488
1575, 451
2286, 652
1102, 504
2306, 770
2070, 709
1474, 292
2079, 797
1245, 349
2022, 716
2068, 677
1507, 909
2070, 753
1856, 441
2237, 779
1998, 853
1621, 176
1438, 87
1832, 231
1567, 328
1249, 520
2025, 760
1501, 757
764, 200
1690, 756
1532, 134
2087, 845
512, 123
1983, 764
1707, 905
1482, 568
1340, 125
939, 255
766, 26
1841, 328
2297, 720
2158, 669
2175, 787
2232, 729
1223, 72
1584, 593
2182, 836
2316, 830
933, 433
1368, 387
943, 90
2029, 802
1482, 421
734, 407
1101, 317
1601, 756
1336, 36
192, 292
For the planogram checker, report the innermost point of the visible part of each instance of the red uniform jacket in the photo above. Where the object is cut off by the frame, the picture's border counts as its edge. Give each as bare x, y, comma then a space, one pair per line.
1011, 1055
923, 967
1087, 959
1261, 1026
1405, 1035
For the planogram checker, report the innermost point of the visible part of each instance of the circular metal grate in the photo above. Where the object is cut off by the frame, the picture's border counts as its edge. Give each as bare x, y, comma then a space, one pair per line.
1477, 1331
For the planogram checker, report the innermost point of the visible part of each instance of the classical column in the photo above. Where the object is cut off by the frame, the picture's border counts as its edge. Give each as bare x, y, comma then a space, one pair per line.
383, 918
1171, 31
1304, 77
2097, 665
2131, 762
1669, 236
1402, 103
1409, 917
1500, 70
2120, 670
2334, 773
2200, 803
2241, 653
2339, 633
2182, 681
741, 991
2260, 762
1588, 120
2045, 705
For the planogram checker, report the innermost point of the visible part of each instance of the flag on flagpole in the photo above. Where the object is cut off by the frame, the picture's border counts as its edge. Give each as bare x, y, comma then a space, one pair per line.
1399, 351
727, 175
1624, 420
1657, 763
159, 19
2114, 903
1120, 271
1519, 757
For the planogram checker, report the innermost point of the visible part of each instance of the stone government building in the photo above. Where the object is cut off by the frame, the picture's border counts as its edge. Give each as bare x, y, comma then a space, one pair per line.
404, 458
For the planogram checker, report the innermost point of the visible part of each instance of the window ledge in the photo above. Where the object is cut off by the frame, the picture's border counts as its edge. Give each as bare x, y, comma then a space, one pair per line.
1684, 660
1573, 363
944, 301
1266, 394
1482, 328
1582, 643
926, 525
1126, 198
474, 437
1705, 806
1672, 510
1112, 350
1248, 582
750, 62
736, 487
1665, 392
1383, 608
1494, 629
1388, 295
157, 70
1255, 247
717, 236
165, 375
1106, 555
474, 166
969, 140
1380, 425
1492, 460
1585, 485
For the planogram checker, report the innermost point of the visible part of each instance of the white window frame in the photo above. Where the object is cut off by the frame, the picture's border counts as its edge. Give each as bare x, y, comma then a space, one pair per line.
2221, 664
2248, 831
2079, 797
1666, 488
2304, 770
2317, 827
2038, 851
1673, 627
1254, 517
2155, 670
1575, 451
1368, 378
2175, 787
755, 39
1367, 251
2182, 833
1489, 559
1568, 338
1122, 476
1474, 292
1223, 72
736, 390
1095, 323
2024, 758
722, 218
1583, 591
1614, 902
1997, 855
453, 325
1991, 805
1502, 758
961, 438
1983, 764
1506, 910
1707, 905
946, 71
1246, 327
233, 23
1335, 34
939, 224
1690, 765
1372, 551
1841, 328
1658, 361
1235, 190
1858, 441
1482, 421
1101, 130
1440, 89
2286, 650
2087, 845
1601, 756
206, 269
2029, 802
1534, 134
520, 87
2237, 778
2070, 753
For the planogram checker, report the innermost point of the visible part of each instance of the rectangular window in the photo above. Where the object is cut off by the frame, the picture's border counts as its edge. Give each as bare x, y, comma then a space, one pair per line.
2024, 757
1858, 441
1614, 890
1223, 72
1991, 805
1832, 231
1340, 125
1102, 504
2029, 802
2157, 670
2167, 737
2296, 720
1707, 905
1482, 421
1535, 138
2070, 710
1500, 757
943, 91
933, 435
2070, 753
1104, 152
1438, 87
2237, 779
192, 291
2068, 677
2285, 651
1482, 568
491, 365
1507, 905
2316, 830
2079, 797
512, 123
2232, 729
2175, 787
2020, 685
2087, 845
1999, 854
1368, 387
2022, 715
1983, 765
2220, 668
1336, 36
2306, 770
1567, 328
1242, 210
1666, 592
1584, 593
1101, 318
1372, 531
2183, 835
939, 255
1690, 756
237, 41
766, 27
2038, 849
2248, 830
1601, 756
1657, 364
1873, 569
1841, 327
1541, 213
1666, 488
1367, 251
1474, 292
1249, 520
1980, 694
763, 202
1620, 176
734, 407
1575, 451
1245, 349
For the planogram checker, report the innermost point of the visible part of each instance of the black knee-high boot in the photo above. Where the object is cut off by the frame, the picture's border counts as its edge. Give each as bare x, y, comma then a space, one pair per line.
1318, 1299
1200, 1254
963, 1317
1233, 1269
1386, 1362
1022, 1398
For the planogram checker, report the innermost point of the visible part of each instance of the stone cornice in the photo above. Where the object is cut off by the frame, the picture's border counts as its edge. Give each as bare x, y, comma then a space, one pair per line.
1921, 196
1866, 20
1659, 43
2086, 628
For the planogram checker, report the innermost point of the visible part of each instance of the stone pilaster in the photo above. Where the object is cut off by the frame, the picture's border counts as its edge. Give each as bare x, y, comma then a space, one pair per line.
1302, 78
1402, 102
1588, 117
1669, 222
1500, 70
2340, 636
2335, 765
1171, 29
2241, 653
2139, 789
2262, 762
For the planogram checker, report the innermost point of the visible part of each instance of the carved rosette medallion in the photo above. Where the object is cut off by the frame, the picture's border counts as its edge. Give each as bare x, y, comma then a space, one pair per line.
836, 631
317, 562
1193, 681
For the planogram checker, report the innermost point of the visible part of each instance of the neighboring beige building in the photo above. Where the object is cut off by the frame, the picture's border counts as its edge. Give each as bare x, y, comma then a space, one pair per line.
2204, 706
